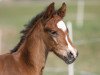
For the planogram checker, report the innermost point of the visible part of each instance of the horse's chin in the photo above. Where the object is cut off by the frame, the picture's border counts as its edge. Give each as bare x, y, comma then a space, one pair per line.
69, 61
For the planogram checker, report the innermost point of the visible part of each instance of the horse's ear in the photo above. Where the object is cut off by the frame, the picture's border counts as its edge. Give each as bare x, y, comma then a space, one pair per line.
49, 11
62, 11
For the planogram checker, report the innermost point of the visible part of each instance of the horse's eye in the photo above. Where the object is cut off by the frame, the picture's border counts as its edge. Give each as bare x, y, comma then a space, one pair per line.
51, 32
54, 33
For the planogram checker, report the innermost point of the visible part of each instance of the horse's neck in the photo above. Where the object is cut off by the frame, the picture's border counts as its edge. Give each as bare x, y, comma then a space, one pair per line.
33, 52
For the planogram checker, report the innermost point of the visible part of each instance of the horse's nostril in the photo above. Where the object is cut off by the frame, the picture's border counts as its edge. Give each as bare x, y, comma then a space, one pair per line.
70, 55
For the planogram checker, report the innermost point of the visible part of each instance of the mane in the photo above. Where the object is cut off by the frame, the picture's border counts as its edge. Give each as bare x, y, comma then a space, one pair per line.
28, 26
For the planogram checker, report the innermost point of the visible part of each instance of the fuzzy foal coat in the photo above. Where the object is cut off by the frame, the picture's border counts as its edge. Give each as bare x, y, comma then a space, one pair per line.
29, 56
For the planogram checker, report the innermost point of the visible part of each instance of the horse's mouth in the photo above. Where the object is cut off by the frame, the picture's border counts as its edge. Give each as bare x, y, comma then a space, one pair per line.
69, 61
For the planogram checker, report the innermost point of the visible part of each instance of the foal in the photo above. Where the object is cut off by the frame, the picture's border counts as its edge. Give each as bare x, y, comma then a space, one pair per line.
45, 33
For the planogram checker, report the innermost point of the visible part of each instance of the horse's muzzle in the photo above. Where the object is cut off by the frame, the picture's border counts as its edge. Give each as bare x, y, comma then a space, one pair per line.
70, 58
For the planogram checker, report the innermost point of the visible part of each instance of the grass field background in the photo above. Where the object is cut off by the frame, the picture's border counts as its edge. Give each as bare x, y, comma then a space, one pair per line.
14, 15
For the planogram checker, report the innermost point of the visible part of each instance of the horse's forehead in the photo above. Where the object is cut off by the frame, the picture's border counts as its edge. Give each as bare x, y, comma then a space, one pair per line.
61, 25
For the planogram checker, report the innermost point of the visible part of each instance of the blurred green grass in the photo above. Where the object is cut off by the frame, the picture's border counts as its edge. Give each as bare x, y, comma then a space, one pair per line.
13, 17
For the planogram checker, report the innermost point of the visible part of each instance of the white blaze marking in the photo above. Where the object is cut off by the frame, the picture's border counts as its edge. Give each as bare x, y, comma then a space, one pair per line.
61, 25
70, 48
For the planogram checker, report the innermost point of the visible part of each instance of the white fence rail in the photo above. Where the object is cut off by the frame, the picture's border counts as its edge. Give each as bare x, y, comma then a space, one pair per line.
80, 12
71, 66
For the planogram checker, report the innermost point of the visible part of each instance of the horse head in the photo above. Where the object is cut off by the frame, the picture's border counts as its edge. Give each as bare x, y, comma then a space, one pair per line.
57, 35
